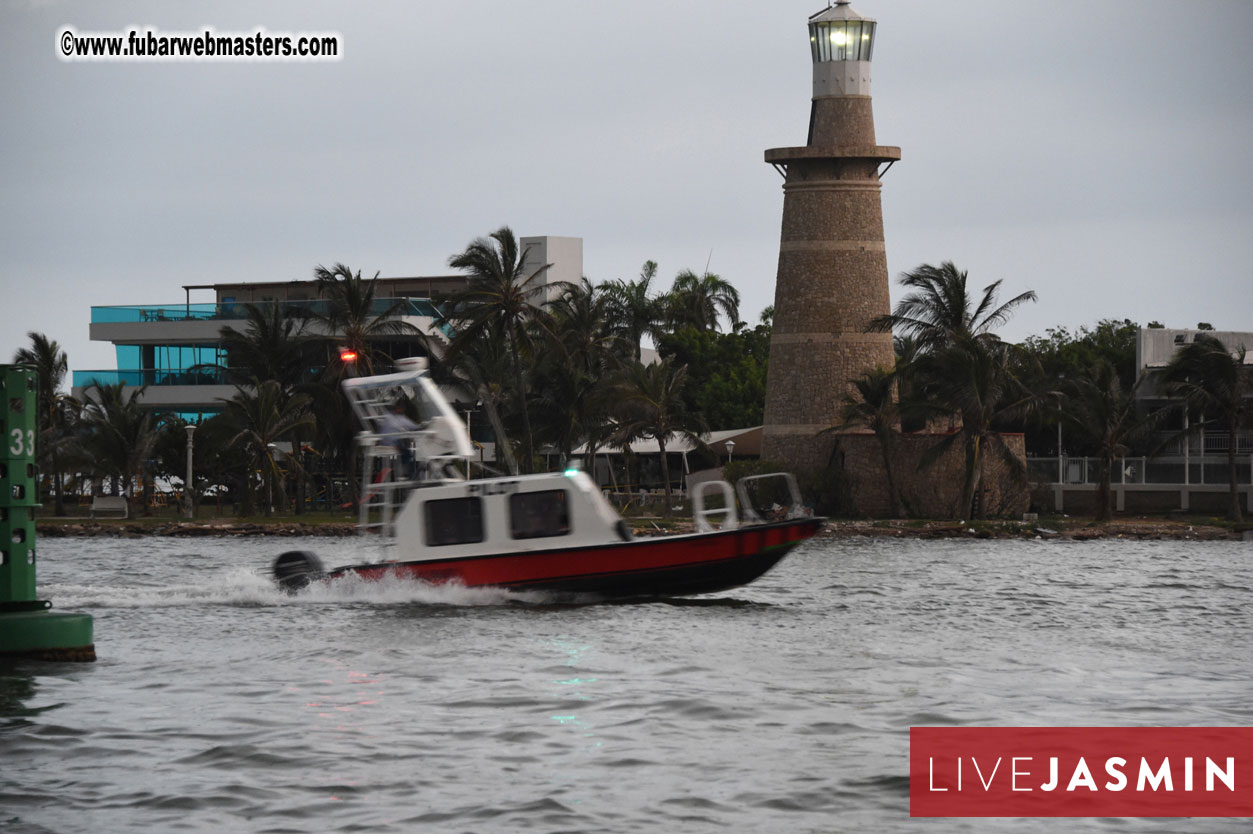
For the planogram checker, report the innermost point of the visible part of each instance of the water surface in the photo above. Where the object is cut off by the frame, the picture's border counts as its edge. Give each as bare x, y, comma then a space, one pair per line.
219, 704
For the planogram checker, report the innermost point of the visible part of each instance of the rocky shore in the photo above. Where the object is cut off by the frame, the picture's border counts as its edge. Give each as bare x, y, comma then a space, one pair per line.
1048, 528
1064, 529
192, 529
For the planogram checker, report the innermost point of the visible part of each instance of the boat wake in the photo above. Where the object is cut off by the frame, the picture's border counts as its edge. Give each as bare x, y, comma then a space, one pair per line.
247, 587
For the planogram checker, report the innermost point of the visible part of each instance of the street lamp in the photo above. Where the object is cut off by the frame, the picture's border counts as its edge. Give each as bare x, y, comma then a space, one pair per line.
730, 448
271, 448
478, 404
190, 428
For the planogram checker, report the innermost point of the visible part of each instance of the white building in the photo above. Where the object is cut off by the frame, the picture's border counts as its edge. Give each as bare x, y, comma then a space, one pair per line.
175, 349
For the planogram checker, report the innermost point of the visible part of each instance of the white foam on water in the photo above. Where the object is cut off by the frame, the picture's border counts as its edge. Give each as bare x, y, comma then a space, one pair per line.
391, 589
251, 587
248, 586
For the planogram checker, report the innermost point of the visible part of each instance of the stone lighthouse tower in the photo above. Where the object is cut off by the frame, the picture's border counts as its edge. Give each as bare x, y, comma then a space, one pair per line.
833, 276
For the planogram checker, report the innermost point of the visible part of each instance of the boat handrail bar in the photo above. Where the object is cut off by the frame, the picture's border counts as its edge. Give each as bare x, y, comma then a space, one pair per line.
701, 515
430, 441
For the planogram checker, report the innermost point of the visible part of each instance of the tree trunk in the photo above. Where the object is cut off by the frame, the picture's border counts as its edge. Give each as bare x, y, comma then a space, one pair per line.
529, 462
267, 475
502, 439
631, 468
58, 487
971, 481
1233, 511
1103, 511
355, 486
299, 473
247, 506
885, 447
665, 476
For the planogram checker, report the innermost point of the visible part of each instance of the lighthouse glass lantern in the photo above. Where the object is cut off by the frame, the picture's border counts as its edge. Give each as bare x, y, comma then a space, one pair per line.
840, 34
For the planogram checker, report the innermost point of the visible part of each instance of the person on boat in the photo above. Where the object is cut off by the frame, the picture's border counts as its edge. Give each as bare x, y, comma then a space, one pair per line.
394, 426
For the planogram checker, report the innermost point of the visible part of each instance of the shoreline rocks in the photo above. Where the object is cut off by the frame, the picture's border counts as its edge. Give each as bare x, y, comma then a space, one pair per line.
1075, 530
1070, 530
187, 529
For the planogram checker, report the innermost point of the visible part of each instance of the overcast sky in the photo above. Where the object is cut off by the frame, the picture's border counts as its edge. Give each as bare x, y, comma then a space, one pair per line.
1098, 152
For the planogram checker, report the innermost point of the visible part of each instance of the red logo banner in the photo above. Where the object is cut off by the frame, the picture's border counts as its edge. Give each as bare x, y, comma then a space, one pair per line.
1081, 771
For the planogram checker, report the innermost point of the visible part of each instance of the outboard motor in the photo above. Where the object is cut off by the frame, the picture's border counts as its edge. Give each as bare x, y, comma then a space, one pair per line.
295, 569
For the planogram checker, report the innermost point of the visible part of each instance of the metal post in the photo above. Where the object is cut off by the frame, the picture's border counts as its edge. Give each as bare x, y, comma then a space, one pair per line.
471, 441
27, 627
1187, 446
1202, 472
1060, 475
19, 483
190, 428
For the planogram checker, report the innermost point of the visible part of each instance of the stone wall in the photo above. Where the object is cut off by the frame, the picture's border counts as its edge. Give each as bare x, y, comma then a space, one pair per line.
841, 120
933, 492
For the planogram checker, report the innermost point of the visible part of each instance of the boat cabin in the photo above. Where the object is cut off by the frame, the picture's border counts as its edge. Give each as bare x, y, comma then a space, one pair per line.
531, 512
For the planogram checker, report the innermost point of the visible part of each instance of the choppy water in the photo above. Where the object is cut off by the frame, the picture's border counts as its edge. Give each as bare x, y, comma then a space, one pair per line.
218, 704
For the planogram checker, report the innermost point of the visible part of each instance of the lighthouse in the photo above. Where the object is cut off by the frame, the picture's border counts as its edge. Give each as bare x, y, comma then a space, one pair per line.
833, 277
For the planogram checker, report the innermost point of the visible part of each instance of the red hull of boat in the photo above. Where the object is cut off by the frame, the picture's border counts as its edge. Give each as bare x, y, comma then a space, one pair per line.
655, 566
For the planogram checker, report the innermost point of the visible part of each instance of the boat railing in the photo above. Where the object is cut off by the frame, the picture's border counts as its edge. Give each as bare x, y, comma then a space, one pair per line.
770, 491
394, 464
701, 514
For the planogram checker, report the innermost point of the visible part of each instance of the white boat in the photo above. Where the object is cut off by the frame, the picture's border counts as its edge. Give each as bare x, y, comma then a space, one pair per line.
552, 532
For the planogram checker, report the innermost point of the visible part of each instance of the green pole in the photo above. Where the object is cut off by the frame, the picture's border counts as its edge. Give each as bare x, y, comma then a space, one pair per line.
27, 627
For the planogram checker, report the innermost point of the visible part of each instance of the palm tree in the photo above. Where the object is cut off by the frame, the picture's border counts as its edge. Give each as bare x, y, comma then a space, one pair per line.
974, 379
636, 311
571, 379
504, 300
1101, 411
263, 416
479, 365
333, 439
566, 401
55, 408
582, 325
650, 404
274, 347
938, 310
270, 347
1213, 380
119, 433
913, 412
697, 300
875, 408
354, 317
959, 366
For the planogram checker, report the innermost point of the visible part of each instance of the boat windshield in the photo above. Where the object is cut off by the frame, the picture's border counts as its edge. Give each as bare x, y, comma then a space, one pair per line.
373, 397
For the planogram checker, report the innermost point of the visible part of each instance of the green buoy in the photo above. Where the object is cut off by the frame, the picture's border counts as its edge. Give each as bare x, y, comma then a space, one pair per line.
27, 627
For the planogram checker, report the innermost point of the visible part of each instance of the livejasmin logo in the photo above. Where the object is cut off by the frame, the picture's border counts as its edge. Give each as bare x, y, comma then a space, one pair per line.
1081, 776
1081, 771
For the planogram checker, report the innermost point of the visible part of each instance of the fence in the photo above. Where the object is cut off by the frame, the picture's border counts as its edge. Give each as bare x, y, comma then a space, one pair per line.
1174, 470
1151, 484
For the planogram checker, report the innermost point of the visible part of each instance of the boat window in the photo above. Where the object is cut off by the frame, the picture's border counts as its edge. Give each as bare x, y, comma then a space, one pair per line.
535, 515
454, 521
